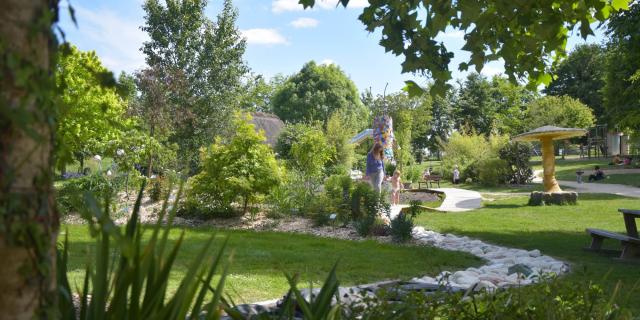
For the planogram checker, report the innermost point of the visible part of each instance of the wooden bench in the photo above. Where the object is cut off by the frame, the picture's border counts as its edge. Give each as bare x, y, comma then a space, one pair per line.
428, 180
630, 245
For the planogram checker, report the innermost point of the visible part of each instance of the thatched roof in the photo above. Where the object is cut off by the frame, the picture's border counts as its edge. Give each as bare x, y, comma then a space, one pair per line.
555, 133
270, 123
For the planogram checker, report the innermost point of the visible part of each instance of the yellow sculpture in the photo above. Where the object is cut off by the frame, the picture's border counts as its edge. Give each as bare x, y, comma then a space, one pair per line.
546, 135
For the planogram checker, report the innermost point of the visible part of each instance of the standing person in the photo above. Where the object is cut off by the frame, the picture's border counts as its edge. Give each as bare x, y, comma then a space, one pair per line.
396, 186
456, 175
375, 167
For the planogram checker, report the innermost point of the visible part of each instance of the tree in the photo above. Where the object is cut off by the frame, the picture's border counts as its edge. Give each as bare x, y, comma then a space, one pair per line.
314, 93
526, 35
202, 61
441, 123
622, 88
511, 102
475, 109
581, 76
152, 107
91, 114
243, 168
561, 111
338, 137
257, 94
28, 220
310, 153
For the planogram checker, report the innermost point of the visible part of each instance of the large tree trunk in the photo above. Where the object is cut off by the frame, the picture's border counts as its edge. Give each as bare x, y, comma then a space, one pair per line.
28, 221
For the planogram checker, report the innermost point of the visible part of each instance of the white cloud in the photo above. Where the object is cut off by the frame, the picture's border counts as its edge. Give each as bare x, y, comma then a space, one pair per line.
458, 34
118, 40
491, 71
278, 6
327, 62
263, 36
304, 23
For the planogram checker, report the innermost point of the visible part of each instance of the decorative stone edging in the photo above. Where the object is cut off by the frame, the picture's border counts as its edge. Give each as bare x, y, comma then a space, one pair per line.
506, 267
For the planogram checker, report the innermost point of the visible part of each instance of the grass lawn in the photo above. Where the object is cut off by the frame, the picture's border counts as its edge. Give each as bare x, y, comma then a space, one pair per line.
566, 170
260, 258
555, 230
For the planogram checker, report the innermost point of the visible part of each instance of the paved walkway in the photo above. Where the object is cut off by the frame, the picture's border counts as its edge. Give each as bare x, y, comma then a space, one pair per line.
592, 187
459, 200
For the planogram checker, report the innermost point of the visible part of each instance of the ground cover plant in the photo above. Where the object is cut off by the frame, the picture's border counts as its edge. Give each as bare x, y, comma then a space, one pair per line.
556, 231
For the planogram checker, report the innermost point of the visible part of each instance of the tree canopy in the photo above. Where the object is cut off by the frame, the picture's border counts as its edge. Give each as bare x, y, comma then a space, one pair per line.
581, 76
202, 62
528, 35
622, 88
315, 92
562, 111
91, 114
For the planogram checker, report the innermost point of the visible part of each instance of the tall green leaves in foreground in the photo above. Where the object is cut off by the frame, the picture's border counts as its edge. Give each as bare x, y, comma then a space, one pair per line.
128, 279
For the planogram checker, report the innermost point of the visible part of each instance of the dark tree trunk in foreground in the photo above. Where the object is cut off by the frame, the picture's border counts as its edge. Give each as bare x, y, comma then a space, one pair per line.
28, 221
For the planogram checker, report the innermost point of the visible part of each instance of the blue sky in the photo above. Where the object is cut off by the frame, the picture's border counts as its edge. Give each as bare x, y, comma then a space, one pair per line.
281, 38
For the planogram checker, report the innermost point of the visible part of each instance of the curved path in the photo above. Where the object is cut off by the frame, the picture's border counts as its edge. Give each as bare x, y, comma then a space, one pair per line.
459, 200
456, 200
592, 187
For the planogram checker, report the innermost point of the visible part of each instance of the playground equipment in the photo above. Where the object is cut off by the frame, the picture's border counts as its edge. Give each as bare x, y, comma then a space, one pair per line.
597, 141
382, 133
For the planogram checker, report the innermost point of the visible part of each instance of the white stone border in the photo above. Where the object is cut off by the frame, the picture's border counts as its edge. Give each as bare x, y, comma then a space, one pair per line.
494, 274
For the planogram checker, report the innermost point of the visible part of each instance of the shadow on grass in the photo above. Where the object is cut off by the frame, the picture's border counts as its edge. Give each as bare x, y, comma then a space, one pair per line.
503, 206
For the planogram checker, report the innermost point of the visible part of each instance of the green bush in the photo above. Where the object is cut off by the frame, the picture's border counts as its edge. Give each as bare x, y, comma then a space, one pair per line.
402, 225
159, 188
411, 174
236, 171
69, 196
471, 153
517, 156
493, 172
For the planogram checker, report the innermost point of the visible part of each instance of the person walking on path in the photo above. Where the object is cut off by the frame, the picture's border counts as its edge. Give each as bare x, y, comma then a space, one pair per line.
456, 175
375, 167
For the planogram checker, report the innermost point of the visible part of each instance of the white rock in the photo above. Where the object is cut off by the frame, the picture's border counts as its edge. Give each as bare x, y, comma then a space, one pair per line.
534, 253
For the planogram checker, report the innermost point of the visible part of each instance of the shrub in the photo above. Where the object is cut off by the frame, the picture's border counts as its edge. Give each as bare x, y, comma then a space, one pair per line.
517, 156
237, 170
367, 206
338, 136
470, 153
159, 188
493, 172
69, 196
338, 188
411, 174
402, 224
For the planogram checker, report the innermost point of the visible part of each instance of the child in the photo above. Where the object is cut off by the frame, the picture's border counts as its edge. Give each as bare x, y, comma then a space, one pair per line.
396, 185
456, 175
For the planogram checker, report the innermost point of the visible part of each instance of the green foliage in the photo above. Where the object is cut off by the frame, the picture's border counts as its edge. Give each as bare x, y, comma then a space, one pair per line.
310, 153
201, 61
257, 93
159, 189
473, 154
367, 207
289, 135
411, 174
402, 224
582, 76
315, 93
622, 88
239, 169
338, 136
554, 298
129, 279
69, 196
527, 36
493, 172
484, 106
517, 156
561, 111
91, 114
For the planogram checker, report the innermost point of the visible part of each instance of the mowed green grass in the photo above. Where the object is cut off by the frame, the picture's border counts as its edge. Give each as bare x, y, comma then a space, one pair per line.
566, 170
260, 259
558, 231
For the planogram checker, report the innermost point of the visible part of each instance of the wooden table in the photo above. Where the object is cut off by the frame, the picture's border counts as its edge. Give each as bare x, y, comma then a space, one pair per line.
630, 217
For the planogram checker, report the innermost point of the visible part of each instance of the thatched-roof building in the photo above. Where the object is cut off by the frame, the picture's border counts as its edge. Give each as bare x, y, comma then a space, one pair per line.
270, 123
